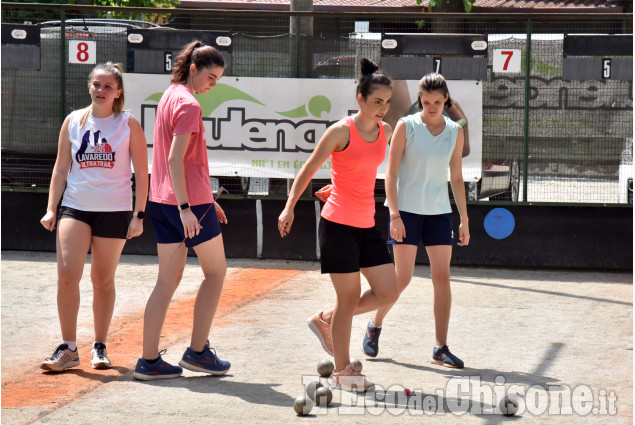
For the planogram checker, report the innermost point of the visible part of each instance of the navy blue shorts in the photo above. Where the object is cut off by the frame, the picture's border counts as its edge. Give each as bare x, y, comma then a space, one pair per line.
103, 224
431, 229
168, 227
346, 249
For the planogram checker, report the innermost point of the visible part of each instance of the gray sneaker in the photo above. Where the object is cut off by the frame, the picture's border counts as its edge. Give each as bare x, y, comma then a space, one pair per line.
99, 357
62, 359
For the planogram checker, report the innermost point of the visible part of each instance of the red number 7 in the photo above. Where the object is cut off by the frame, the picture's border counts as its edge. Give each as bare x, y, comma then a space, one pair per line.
509, 54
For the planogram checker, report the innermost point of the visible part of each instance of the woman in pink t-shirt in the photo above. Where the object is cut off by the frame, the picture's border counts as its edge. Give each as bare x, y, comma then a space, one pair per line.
184, 214
349, 241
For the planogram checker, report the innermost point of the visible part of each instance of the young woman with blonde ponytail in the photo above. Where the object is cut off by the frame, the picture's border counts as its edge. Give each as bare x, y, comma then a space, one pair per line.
92, 177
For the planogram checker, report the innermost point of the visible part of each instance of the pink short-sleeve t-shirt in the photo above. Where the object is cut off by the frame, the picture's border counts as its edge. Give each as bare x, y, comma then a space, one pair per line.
179, 112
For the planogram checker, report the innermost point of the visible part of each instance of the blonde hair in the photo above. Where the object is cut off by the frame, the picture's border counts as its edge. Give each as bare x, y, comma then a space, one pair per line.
117, 70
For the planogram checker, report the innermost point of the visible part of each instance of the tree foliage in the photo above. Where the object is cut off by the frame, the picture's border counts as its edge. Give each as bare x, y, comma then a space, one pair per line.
119, 3
449, 5
136, 3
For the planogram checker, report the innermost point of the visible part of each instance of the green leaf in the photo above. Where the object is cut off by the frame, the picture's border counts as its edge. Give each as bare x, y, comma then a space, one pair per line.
220, 94
155, 96
299, 112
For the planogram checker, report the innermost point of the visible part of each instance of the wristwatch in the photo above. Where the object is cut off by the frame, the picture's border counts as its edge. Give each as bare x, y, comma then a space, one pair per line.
140, 215
184, 206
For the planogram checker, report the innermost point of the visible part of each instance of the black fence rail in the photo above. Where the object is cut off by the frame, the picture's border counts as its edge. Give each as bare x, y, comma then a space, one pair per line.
558, 130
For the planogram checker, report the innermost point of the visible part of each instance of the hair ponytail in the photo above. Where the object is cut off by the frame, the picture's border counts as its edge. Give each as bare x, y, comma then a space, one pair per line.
371, 75
368, 67
196, 53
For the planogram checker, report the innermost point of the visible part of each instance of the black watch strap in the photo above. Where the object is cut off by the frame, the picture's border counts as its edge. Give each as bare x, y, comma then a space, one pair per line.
140, 215
184, 206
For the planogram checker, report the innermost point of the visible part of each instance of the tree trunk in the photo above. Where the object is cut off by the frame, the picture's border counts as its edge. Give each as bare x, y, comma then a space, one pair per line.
448, 25
450, 6
88, 13
301, 42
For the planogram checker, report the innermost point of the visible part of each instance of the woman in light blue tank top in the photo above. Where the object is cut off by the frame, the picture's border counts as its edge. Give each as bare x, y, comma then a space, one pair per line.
423, 145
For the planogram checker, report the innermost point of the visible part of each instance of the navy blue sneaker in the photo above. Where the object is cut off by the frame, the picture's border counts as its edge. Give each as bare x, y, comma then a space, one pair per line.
370, 346
443, 357
146, 371
206, 362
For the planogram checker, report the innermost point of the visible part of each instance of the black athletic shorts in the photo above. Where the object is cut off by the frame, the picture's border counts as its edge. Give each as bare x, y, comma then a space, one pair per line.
346, 249
104, 224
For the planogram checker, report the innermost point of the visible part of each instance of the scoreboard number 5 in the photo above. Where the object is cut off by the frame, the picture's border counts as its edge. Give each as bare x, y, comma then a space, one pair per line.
606, 68
167, 61
506, 60
82, 51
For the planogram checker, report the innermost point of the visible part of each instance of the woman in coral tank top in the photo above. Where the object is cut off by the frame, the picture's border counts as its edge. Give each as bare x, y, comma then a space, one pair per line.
350, 243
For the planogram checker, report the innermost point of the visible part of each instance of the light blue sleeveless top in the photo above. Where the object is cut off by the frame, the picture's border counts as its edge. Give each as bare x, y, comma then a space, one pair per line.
422, 183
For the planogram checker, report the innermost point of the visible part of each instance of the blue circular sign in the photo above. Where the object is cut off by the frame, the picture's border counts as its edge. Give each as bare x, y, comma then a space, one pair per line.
499, 223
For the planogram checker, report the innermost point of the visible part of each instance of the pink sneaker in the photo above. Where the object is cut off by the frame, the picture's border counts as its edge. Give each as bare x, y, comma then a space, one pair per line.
350, 380
322, 330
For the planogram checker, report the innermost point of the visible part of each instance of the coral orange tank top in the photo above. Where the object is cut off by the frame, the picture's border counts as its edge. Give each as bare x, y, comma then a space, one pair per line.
353, 175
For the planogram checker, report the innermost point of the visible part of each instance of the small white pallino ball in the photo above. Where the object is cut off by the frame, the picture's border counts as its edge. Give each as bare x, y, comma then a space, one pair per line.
509, 405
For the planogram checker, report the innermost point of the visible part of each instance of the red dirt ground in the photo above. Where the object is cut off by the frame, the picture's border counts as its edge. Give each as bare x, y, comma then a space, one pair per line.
35, 387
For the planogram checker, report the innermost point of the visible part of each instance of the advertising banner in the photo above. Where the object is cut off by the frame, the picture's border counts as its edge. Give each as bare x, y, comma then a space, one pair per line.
268, 127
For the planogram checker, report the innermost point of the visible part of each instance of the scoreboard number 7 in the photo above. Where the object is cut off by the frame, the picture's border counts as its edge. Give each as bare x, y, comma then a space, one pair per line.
506, 60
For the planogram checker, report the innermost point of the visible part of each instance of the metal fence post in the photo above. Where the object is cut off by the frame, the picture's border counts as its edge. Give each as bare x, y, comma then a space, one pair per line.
526, 124
297, 47
62, 66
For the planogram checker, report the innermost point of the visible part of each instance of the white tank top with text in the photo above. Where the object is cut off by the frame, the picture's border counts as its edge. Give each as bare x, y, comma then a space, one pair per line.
99, 179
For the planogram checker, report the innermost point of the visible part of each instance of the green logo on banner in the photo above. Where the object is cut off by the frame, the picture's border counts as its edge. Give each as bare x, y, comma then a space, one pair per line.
225, 93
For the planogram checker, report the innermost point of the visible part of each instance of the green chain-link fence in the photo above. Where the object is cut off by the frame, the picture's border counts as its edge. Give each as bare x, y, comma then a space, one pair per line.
546, 136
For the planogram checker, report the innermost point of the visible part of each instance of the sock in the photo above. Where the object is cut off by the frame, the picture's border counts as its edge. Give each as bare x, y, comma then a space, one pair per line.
72, 345
373, 323
153, 361
97, 342
438, 347
199, 352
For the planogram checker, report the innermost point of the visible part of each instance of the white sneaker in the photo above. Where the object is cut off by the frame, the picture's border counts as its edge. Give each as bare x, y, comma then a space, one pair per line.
99, 357
62, 359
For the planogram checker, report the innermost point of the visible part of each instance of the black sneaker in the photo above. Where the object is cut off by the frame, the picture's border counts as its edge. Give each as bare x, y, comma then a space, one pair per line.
443, 357
370, 346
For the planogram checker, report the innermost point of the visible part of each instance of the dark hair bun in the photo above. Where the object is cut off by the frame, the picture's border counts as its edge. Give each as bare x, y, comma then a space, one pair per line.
368, 67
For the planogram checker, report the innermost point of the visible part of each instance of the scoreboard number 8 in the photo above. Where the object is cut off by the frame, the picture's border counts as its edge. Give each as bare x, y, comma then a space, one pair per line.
82, 51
